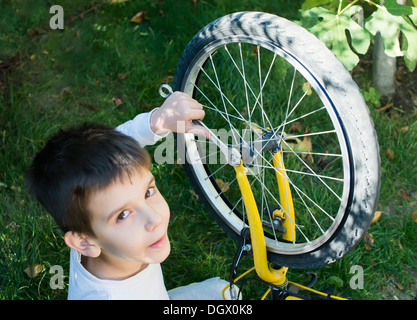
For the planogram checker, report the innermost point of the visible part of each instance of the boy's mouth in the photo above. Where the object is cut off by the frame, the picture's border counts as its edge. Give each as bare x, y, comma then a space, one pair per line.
159, 243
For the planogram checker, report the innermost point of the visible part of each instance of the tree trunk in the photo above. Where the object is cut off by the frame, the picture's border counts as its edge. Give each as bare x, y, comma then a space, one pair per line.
383, 66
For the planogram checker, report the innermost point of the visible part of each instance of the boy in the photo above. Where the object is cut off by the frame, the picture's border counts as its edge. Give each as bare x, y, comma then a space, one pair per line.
97, 184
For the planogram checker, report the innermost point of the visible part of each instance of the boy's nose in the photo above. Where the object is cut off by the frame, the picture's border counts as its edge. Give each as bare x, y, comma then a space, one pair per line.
153, 219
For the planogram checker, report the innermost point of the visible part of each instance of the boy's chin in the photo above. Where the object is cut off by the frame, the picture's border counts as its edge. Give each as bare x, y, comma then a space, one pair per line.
168, 251
163, 254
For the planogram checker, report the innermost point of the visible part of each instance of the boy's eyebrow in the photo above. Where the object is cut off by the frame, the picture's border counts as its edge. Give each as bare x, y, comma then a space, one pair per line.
118, 210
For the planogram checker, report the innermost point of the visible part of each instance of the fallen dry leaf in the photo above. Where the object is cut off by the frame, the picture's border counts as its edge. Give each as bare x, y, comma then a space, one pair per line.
33, 270
117, 101
296, 127
399, 286
369, 241
414, 216
139, 17
402, 130
403, 194
224, 186
390, 153
193, 193
89, 106
167, 79
377, 215
307, 88
305, 146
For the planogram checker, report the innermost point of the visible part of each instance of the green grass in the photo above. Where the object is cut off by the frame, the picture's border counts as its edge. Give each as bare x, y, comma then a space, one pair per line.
77, 74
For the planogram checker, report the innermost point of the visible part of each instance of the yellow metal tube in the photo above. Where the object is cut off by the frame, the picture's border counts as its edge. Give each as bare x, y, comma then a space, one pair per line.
285, 197
263, 270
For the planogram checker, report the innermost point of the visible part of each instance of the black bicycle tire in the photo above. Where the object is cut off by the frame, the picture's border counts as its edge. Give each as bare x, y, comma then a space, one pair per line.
351, 108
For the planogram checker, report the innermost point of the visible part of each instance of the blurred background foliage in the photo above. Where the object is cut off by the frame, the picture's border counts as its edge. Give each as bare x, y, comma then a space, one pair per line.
106, 66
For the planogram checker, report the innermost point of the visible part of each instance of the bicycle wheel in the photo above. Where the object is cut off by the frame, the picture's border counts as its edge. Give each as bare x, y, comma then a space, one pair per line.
267, 86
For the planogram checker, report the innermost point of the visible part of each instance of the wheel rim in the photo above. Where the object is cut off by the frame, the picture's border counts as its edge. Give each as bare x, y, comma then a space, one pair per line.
236, 81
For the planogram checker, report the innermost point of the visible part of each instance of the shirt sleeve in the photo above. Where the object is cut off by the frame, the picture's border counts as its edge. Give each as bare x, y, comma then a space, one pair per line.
139, 128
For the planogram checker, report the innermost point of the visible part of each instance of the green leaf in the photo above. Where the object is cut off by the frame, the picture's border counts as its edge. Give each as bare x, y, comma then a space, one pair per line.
331, 29
413, 16
389, 25
396, 9
308, 4
372, 96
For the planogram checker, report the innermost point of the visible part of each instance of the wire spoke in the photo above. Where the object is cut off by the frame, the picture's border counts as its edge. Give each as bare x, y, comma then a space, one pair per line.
310, 134
312, 171
302, 173
296, 119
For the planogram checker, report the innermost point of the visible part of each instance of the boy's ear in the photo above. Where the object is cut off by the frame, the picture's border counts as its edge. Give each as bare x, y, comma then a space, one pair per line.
83, 244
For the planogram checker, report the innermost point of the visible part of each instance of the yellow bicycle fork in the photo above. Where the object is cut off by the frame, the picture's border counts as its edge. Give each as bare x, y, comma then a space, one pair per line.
265, 271
277, 277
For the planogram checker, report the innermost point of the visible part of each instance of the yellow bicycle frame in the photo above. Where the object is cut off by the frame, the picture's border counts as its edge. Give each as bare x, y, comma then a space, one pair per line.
265, 271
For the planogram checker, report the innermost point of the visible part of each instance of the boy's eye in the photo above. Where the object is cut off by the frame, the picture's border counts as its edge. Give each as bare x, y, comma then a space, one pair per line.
123, 215
150, 192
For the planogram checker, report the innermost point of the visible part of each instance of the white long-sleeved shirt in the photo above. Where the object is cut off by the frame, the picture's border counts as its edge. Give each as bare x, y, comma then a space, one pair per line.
139, 128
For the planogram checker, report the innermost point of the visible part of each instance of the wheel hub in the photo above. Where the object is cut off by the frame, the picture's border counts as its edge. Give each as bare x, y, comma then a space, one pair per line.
269, 141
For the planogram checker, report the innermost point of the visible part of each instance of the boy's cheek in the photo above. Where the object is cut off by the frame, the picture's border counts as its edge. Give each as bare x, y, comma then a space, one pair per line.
164, 207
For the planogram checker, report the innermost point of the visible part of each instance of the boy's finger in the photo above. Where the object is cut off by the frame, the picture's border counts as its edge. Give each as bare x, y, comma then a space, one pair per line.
198, 130
191, 103
196, 105
196, 114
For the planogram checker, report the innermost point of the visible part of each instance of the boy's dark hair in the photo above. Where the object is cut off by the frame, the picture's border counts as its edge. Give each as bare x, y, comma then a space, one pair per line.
76, 162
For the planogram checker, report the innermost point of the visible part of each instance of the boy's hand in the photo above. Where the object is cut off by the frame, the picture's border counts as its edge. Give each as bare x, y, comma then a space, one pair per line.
178, 107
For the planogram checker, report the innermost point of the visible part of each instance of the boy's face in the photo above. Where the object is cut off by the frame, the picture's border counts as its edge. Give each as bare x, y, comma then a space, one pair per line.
130, 219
